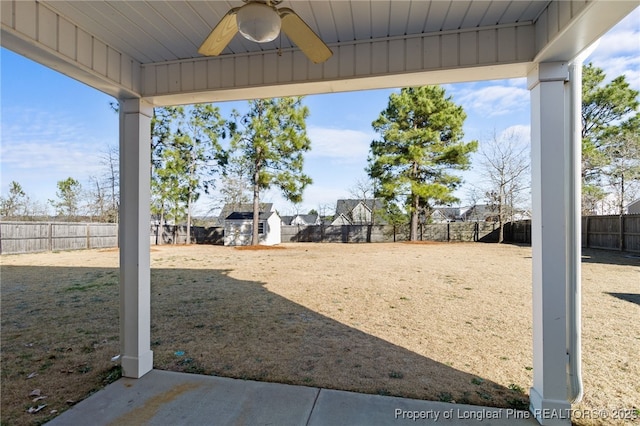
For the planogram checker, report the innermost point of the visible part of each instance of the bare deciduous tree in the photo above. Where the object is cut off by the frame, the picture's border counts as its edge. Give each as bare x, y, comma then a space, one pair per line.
110, 161
505, 163
364, 189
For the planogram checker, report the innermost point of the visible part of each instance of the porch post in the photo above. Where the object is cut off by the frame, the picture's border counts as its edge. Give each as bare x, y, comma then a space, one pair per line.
551, 183
135, 281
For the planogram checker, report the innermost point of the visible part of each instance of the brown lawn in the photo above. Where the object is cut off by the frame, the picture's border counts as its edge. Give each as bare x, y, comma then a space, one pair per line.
447, 322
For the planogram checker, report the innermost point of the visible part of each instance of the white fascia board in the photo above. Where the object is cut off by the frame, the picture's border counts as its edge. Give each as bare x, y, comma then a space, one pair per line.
566, 28
497, 52
32, 30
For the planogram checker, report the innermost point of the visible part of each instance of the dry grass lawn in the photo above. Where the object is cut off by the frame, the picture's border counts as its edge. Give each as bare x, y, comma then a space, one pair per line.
447, 322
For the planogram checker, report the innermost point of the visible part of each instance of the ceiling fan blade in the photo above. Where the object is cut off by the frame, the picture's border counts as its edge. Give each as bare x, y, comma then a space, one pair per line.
299, 32
221, 35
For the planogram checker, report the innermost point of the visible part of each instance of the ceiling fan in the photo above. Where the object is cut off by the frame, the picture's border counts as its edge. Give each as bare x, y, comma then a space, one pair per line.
261, 21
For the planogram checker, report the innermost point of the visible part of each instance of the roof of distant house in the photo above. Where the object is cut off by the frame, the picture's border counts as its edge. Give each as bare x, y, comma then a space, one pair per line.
452, 212
308, 218
286, 219
347, 205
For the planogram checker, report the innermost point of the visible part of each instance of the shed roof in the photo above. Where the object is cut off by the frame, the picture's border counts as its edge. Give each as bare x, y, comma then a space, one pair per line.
243, 207
249, 216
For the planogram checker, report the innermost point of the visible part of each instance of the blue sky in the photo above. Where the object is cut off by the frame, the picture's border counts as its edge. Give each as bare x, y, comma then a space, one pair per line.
53, 127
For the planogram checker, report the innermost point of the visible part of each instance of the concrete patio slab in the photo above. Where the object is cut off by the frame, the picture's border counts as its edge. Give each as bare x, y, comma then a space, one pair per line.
170, 398
348, 408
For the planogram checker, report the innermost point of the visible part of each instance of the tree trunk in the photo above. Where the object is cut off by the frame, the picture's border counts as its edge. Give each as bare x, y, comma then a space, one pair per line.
161, 231
415, 206
501, 216
622, 194
189, 220
413, 234
255, 237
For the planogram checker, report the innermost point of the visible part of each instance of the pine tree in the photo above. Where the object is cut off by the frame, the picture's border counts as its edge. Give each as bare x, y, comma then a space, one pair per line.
15, 203
271, 137
186, 156
421, 143
608, 112
68, 193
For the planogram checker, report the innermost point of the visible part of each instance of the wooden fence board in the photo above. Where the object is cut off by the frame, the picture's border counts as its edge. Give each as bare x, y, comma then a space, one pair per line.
30, 237
603, 232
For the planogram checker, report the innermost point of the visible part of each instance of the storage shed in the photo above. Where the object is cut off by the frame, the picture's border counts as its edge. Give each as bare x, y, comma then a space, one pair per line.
238, 227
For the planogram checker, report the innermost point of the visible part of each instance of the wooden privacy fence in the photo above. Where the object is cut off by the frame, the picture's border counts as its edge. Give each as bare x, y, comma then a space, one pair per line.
454, 231
29, 237
32, 237
177, 234
612, 232
601, 232
459, 231
342, 233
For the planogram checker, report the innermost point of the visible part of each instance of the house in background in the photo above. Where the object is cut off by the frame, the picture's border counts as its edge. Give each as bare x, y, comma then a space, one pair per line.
238, 228
633, 207
358, 212
475, 213
286, 220
445, 214
306, 220
479, 213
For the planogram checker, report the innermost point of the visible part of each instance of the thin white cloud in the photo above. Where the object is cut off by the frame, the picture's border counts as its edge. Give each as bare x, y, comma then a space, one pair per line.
618, 42
49, 159
495, 99
618, 52
519, 134
613, 67
38, 126
39, 142
343, 145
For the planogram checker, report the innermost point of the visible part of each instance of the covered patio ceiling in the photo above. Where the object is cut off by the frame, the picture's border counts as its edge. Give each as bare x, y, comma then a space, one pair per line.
148, 49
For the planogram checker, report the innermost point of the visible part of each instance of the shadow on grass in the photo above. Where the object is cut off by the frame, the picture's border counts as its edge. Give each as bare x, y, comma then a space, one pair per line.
610, 257
629, 297
62, 322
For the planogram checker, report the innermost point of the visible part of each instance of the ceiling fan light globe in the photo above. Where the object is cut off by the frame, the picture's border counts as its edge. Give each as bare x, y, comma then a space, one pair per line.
258, 22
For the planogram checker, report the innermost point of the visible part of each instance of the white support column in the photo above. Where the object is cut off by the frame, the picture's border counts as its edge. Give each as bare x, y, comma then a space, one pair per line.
551, 183
135, 281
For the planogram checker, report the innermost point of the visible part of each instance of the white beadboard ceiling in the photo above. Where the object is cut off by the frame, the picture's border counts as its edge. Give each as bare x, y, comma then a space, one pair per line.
162, 31
149, 49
